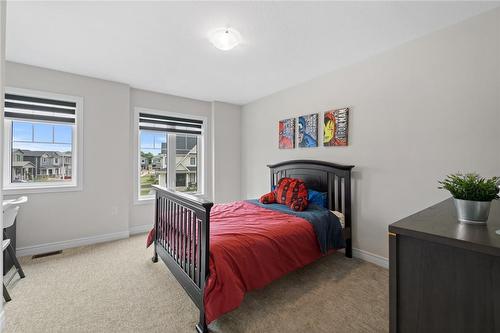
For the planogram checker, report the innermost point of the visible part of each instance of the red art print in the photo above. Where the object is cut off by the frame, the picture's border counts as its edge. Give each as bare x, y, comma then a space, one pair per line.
287, 133
336, 127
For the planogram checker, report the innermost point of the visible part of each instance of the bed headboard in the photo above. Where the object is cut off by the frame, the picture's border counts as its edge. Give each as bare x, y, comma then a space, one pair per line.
334, 179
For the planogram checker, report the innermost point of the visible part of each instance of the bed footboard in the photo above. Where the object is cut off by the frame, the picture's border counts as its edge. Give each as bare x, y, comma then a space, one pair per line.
182, 226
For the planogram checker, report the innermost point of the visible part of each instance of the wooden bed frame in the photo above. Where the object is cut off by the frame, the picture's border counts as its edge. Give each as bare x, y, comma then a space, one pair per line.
182, 222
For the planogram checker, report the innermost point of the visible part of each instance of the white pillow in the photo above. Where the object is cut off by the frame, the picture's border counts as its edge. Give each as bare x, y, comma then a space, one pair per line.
340, 216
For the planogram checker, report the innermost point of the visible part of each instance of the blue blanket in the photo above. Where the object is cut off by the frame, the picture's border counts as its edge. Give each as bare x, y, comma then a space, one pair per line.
326, 225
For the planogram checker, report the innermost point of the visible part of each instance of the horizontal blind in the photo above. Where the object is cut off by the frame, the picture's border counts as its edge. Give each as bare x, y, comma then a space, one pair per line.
155, 122
41, 109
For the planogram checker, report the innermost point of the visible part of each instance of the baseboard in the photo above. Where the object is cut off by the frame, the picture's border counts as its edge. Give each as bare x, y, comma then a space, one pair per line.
370, 257
140, 229
50, 247
2, 320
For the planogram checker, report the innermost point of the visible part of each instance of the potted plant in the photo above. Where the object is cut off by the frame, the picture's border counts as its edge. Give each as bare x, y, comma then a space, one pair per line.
472, 195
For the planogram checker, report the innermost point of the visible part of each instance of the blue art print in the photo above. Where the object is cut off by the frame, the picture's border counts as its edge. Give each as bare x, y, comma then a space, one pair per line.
308, 131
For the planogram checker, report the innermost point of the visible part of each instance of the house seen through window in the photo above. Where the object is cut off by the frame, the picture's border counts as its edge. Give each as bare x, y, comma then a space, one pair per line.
40, 134
38, 149
153, 150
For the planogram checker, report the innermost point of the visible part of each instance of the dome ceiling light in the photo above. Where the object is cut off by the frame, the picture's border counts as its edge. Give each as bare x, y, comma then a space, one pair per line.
225, 38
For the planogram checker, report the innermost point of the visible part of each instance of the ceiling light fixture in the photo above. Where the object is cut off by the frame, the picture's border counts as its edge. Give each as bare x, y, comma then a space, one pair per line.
225, 38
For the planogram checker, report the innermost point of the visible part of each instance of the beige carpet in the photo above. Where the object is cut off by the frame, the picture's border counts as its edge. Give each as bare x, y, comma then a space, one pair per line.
114, 287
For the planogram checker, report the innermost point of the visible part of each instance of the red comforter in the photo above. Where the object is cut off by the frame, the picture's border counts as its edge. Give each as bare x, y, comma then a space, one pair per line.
251, 246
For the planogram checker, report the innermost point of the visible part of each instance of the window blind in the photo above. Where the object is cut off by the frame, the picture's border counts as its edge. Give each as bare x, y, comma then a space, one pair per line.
41, 109
155, 122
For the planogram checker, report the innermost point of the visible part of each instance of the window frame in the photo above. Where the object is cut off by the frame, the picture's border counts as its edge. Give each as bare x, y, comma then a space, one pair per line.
171, 163
76, 183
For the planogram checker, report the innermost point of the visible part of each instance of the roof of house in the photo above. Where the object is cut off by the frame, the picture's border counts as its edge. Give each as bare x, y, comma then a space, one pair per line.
23, 164
35, 153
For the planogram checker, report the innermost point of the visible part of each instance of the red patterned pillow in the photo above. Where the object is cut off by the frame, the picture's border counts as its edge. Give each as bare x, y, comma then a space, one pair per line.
268, 198
292, 192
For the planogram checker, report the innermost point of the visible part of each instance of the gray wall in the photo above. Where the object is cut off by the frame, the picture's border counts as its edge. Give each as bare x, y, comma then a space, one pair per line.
223, 148
422, 110
142, 215
101, 208
2, 79
418, 112
105, 209
227, 151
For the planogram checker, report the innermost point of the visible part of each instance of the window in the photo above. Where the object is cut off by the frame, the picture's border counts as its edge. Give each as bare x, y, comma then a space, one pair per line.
40, 140
180, 180
186, 170
169, 149
153, 148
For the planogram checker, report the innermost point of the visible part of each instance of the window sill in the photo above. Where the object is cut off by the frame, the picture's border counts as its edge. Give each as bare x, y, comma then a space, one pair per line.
36, 189
150, 201
146, 201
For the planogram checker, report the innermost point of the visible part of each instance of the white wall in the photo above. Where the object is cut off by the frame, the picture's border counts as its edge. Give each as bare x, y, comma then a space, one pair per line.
56, 219
2, 79
222, 155
226, 119
142, 215
422, 110
60, 217
425, 109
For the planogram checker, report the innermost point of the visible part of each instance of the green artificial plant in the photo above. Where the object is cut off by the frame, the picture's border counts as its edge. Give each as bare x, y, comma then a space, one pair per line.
471, 187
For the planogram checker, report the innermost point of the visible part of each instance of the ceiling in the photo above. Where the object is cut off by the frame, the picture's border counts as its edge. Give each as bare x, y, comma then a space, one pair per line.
163, 46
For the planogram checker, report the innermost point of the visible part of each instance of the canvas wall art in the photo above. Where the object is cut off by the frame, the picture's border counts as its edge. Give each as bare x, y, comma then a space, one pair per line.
308, 131
336, 127
287, 133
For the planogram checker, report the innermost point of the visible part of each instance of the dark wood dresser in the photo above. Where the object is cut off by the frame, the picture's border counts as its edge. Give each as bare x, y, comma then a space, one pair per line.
444, 276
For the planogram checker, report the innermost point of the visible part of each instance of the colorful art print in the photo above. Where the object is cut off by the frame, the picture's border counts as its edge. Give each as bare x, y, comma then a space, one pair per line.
287, 133
308, 131
336, 127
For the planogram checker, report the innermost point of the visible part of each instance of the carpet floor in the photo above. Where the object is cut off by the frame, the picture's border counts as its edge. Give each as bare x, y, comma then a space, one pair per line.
114, 287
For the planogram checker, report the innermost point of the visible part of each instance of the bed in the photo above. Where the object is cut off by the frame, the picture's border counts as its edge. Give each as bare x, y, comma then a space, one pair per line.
218, 253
